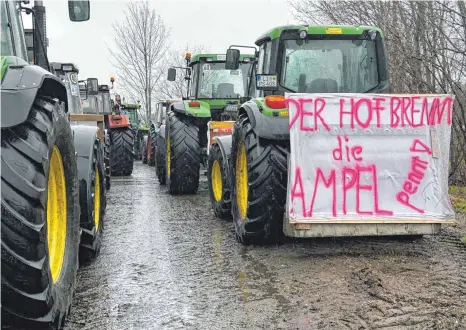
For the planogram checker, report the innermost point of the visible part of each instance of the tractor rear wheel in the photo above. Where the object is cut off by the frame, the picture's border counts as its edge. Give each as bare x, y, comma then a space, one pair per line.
40, 212
93, 199
160, 160
151, 147
183, 154
137, 146
108, 173
259, 181
121, 154
144, 150
219, 187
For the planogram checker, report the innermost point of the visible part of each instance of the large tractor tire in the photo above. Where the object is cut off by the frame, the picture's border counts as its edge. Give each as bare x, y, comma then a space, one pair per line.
121, 154
259, 181
92, 193
144, 150
160, 160
40, 218
183, 154
219, 187
151, 146
108, 170
138, 142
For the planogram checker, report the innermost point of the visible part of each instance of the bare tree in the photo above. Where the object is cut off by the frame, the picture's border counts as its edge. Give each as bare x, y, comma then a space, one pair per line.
176, 57
139, 53
426, 45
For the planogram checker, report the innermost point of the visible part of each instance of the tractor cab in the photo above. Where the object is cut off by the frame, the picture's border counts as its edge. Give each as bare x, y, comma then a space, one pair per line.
317, 59
89, 92
131, 110
105, 100
217, 88
68, 73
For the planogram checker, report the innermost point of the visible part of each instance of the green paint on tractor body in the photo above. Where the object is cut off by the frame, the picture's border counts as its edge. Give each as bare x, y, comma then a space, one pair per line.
130, 110
7, 61
214, 87
317, 30
201, 111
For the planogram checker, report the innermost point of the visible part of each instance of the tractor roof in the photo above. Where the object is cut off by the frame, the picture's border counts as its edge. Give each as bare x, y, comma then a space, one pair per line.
217, 57
59, 66
316, 29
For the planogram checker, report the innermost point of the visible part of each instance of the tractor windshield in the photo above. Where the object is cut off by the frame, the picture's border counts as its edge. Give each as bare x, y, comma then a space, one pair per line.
329, 66
132, 116
215, 82
6, 47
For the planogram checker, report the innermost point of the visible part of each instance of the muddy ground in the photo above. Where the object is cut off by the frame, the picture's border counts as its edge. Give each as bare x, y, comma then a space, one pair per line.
168, 263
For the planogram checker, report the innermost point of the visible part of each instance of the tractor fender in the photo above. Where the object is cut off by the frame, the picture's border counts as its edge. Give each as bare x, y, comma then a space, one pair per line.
118, 121
84, 143
224, 143
202, 111
20, 85
266, 127
178, 107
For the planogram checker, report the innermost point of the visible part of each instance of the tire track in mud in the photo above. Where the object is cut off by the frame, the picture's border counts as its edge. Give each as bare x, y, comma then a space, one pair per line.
439, 300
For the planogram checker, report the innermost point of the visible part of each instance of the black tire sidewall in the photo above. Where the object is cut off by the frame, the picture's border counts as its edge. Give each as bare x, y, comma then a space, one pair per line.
63, 289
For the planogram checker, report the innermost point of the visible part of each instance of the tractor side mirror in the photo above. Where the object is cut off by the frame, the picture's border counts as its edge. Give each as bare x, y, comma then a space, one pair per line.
79, 11
232, 60
171, 74
92, 86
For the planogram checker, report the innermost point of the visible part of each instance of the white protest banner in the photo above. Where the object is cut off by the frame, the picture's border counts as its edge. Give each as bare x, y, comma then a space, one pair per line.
369, 157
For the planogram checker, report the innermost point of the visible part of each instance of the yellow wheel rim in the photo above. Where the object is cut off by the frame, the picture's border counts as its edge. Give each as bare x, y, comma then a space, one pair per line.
242, 181
216, 177
97, 199
168, 156
56, 214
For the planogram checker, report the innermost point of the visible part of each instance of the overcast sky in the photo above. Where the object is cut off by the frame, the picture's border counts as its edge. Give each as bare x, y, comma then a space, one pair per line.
214, 23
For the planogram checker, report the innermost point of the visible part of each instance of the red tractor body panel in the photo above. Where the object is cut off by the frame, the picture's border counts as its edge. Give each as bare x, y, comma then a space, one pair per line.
117, 121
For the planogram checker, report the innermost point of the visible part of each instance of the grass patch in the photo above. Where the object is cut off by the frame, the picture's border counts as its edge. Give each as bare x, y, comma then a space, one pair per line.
458, 198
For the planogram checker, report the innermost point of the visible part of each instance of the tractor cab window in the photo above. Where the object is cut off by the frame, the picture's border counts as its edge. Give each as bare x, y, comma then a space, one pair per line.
6, 46
160, 117
252, 92
16, 23
193, 85
265, 52
90, 105
215, 82
329, 66
107, 106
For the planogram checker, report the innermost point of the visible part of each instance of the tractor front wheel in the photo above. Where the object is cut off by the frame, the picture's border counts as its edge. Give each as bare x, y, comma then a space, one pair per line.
92, 196
144, 150
219, 187
121, 154
259, 181
40, 218
183, 154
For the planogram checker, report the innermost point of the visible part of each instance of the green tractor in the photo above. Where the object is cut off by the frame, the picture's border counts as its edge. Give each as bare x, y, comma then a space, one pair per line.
139, 131
41, 162
248, 175
214, 94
